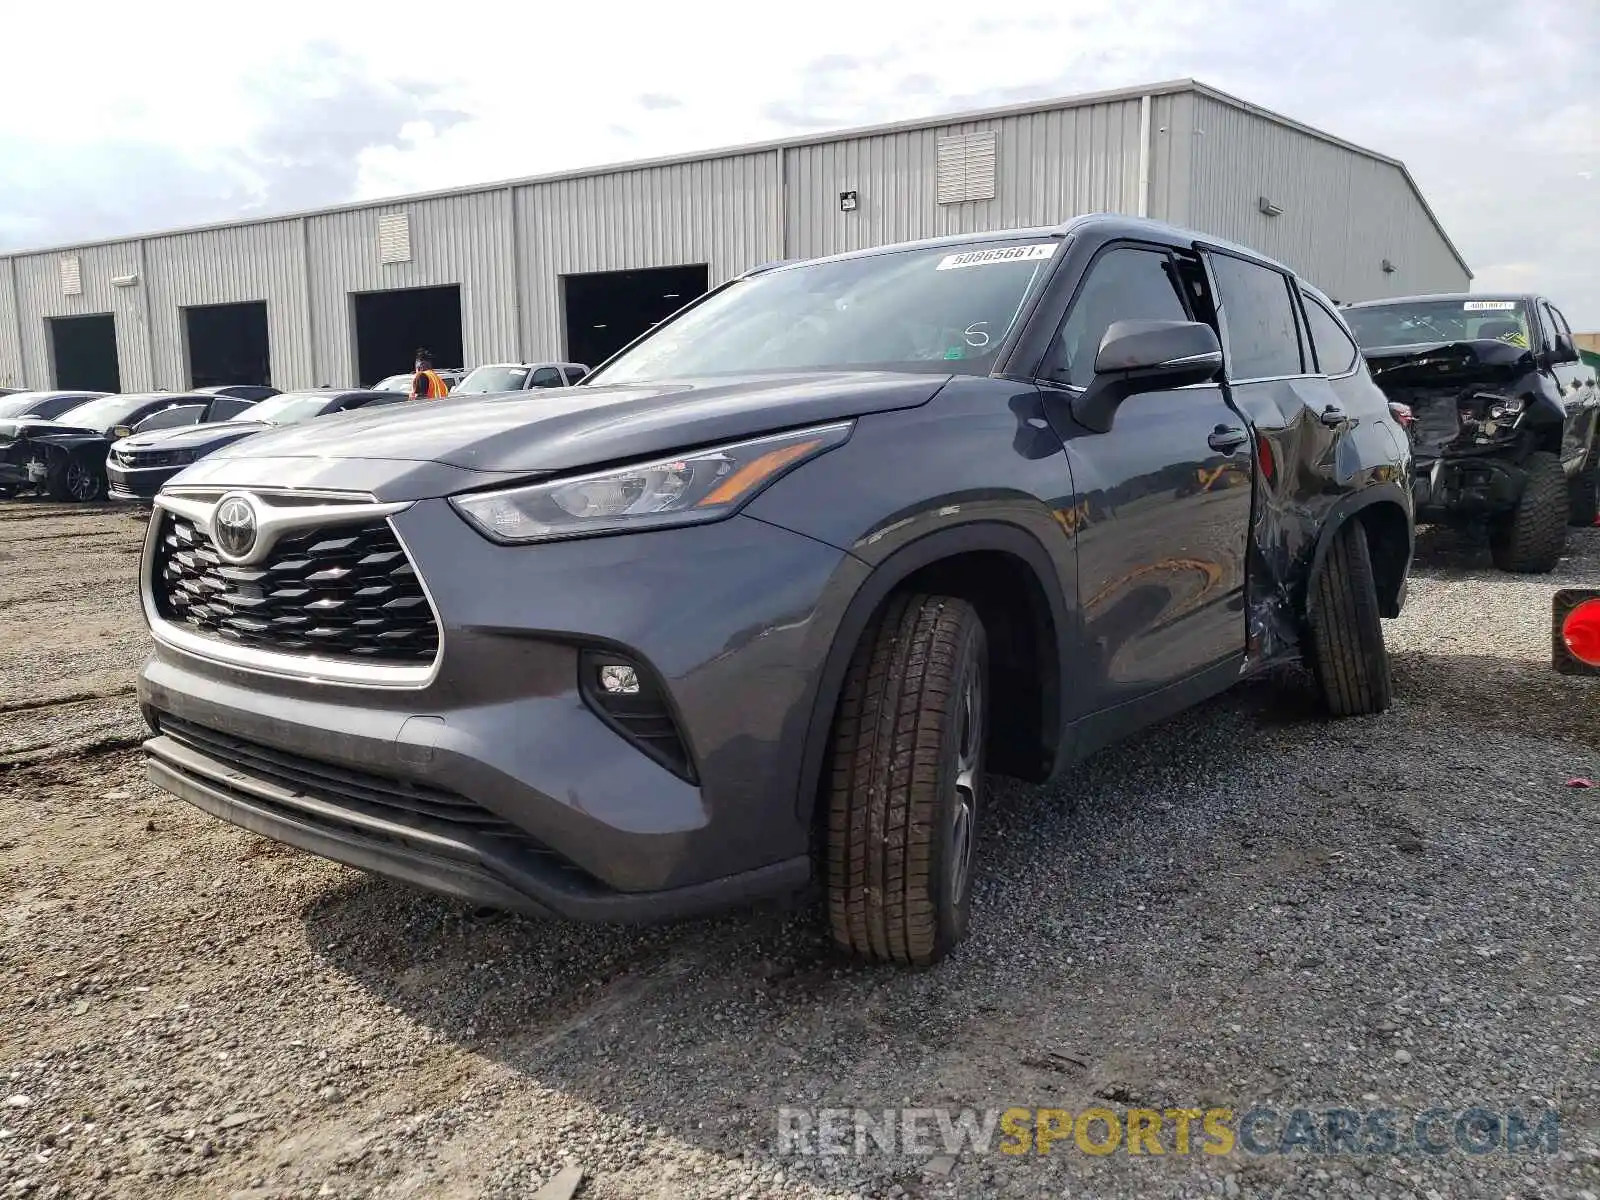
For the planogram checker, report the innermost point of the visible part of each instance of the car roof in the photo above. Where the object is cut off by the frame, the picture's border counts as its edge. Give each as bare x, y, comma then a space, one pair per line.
1109, 225
330, 393
541, 362
1445, 296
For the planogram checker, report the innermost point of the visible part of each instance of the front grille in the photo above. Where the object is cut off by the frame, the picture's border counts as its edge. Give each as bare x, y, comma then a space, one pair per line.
152, 458
393, 799
341, 591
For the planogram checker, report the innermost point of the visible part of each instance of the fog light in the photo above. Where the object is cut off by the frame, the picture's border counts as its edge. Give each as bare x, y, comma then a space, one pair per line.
619, 679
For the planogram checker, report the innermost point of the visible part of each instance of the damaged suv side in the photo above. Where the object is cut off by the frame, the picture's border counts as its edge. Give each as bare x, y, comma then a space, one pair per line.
1501, 410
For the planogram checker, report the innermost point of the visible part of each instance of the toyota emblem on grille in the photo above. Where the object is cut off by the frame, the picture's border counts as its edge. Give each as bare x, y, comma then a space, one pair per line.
234, 526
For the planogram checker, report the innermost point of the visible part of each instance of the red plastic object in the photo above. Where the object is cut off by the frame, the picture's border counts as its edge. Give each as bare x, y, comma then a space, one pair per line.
1581, 633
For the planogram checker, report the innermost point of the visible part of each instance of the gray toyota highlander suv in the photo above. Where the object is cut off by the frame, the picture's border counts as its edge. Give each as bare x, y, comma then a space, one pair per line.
762, 603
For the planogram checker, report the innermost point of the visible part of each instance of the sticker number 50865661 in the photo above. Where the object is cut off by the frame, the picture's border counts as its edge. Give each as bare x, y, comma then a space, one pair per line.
999, 254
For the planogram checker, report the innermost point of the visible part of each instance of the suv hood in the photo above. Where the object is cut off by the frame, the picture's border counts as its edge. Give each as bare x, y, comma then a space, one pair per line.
1449, 387
561, 429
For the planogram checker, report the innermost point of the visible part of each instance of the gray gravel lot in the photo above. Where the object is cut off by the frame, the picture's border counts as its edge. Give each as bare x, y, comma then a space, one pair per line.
1243, 907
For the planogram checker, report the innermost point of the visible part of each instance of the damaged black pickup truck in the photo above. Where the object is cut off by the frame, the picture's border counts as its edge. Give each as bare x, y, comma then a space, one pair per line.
1502, 413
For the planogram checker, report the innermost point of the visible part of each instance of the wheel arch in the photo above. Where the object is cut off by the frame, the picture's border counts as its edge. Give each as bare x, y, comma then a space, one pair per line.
977, 562
1384, 512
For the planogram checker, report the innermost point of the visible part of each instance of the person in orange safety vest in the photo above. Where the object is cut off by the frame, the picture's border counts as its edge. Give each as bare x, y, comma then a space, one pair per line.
427, 384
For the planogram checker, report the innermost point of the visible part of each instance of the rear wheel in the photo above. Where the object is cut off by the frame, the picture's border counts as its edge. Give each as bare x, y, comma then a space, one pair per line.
907, 782
1530, 538
75, 478
1348, 656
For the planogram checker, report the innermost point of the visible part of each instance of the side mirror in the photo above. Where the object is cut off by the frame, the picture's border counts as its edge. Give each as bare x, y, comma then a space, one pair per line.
1566, 350
1145, 356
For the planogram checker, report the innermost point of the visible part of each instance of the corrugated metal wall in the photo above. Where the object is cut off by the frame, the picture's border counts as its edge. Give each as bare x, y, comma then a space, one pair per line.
12, 373
229, 266
40, 296
1049, 166
723, 212
507, 248
1344, 213
465, 240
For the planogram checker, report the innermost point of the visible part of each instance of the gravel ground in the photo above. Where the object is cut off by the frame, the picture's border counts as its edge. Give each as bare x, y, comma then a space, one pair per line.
1243, 907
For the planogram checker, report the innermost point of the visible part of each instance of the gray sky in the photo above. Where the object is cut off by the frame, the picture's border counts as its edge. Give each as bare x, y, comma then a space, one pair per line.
135, 118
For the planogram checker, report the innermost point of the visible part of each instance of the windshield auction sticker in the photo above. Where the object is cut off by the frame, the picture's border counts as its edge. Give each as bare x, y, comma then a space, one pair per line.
1488, 306
1000, 254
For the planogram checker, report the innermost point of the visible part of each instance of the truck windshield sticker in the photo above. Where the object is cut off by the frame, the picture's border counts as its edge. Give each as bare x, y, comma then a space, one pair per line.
1489, 306
1000, 254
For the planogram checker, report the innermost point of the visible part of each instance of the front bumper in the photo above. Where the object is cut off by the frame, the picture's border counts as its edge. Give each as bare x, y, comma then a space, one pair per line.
733, 618
1465, 486
136, 483
25, 474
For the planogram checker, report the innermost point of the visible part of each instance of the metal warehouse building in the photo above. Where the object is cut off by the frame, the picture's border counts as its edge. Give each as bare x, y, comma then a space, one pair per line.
573, 265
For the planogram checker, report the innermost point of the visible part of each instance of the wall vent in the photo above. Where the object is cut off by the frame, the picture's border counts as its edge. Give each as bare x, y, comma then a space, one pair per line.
394, 237
966, 167
71, 276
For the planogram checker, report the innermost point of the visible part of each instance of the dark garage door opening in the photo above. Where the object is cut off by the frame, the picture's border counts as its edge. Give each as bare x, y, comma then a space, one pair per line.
228, 344
392, 326
84, 351
608, 309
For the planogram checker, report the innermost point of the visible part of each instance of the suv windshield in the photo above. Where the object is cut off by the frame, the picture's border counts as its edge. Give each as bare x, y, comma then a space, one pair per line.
1416, 321
945, 309
491, 379
287, 409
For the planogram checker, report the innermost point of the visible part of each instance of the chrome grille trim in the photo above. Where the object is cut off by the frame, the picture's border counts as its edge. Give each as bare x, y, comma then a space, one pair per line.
303, 510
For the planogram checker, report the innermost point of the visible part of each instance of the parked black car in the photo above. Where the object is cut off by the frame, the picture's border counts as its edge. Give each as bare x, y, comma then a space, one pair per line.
1502, 413
66, 458
139, 465
765, 599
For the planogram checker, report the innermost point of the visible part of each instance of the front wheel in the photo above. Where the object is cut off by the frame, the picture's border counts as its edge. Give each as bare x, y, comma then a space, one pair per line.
1348, 657
907, 782
1530, 538
75, 478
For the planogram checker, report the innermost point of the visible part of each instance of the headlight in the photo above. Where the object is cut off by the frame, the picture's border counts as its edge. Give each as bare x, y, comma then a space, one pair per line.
1501, 407
688, 489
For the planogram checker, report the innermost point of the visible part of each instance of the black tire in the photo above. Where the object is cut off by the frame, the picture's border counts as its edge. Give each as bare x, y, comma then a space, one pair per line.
1348, 657
1583, 499
1530, 538
73, 478
906, 784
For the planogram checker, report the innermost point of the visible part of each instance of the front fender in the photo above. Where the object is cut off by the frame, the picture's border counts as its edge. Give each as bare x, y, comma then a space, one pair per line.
888, 574
71, 443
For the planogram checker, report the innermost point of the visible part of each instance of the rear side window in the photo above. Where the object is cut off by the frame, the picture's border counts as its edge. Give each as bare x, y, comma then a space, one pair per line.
1125, 284
546, 377
1263, 340
1336, 353
575, 374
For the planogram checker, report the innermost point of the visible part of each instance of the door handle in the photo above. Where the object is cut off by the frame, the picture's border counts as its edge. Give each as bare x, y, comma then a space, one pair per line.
1333, 416
1225, 439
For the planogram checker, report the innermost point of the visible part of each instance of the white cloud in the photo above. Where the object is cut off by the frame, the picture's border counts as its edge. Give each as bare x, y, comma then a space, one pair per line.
166, 113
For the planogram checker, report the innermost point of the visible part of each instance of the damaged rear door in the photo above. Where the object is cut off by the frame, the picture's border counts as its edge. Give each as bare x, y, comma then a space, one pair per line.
1320, 432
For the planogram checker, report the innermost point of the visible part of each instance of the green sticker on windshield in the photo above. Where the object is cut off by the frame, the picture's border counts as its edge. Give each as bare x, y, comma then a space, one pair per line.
955, 352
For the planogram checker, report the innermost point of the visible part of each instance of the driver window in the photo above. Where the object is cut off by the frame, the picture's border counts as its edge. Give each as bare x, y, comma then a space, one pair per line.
1125, 284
